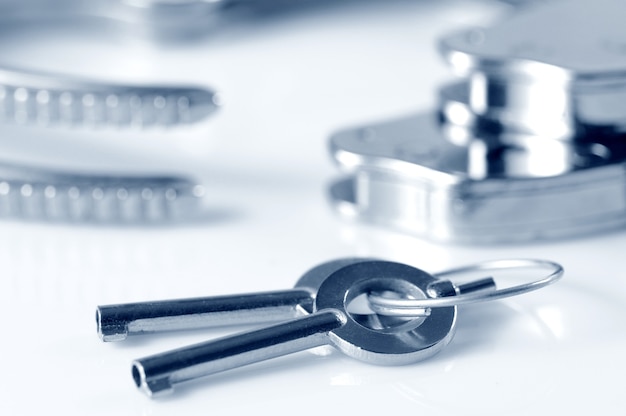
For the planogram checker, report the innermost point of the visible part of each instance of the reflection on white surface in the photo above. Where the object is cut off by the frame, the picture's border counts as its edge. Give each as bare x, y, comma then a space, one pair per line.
504, 348
552, 317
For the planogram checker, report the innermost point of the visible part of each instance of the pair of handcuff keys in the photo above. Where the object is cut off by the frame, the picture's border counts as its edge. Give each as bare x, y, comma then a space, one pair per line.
375, 311
529, 145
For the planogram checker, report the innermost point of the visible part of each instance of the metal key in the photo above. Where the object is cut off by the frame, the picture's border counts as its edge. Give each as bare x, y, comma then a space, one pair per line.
331, 323
116, 322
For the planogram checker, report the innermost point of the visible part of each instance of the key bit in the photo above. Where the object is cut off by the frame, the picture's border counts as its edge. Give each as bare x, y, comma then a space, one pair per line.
330, 324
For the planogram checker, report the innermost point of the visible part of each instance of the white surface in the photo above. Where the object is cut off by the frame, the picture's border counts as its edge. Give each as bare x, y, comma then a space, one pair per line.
288, 83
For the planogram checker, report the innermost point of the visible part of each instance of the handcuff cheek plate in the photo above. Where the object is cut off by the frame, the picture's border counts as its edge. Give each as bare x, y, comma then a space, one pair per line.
406, 175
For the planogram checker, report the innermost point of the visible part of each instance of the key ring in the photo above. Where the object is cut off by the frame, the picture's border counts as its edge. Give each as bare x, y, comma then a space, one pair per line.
404, 307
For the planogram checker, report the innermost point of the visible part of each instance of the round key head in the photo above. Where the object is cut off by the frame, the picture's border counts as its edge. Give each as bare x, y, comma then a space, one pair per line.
397, 342
314, 277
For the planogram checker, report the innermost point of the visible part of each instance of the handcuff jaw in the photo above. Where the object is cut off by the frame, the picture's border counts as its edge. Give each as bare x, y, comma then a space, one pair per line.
407, 175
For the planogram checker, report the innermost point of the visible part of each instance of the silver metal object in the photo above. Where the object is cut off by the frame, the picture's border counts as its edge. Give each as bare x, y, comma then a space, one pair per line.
330, 323
529, 146
405, 174
455, 295
116, 322
30, 98
170, 19
156, 19
160, 19
334, 304
48, 195
555, 70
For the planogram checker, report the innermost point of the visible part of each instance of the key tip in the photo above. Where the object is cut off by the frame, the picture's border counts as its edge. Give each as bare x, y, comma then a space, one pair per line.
152, 388
107, 332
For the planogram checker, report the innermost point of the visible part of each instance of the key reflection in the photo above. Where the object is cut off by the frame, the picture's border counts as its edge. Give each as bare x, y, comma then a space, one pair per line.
493, 346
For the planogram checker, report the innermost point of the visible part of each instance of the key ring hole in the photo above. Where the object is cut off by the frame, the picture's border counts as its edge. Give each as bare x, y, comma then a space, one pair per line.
357, 305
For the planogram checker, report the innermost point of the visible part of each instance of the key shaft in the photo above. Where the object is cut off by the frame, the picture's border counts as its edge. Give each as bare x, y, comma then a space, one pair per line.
331, 323
157, 374
116, 322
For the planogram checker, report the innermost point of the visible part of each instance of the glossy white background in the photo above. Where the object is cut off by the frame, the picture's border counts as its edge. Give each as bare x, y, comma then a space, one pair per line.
287, 82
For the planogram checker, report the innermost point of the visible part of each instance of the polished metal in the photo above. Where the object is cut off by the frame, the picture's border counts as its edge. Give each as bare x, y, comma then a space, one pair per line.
406, 174
530, 145
33, 193
116, 322
164, 19
448, 288
336, 303
156, 20
50, 195
42, 99
330, 323
157, 374
466, 294
31, 98
556, 70
168, 20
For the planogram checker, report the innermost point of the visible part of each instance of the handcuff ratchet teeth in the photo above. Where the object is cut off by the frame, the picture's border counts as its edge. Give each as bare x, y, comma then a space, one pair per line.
30, 98
46, 195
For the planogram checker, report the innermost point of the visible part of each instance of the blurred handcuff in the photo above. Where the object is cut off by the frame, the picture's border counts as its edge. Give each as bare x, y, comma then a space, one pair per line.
529, 145
29, 98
